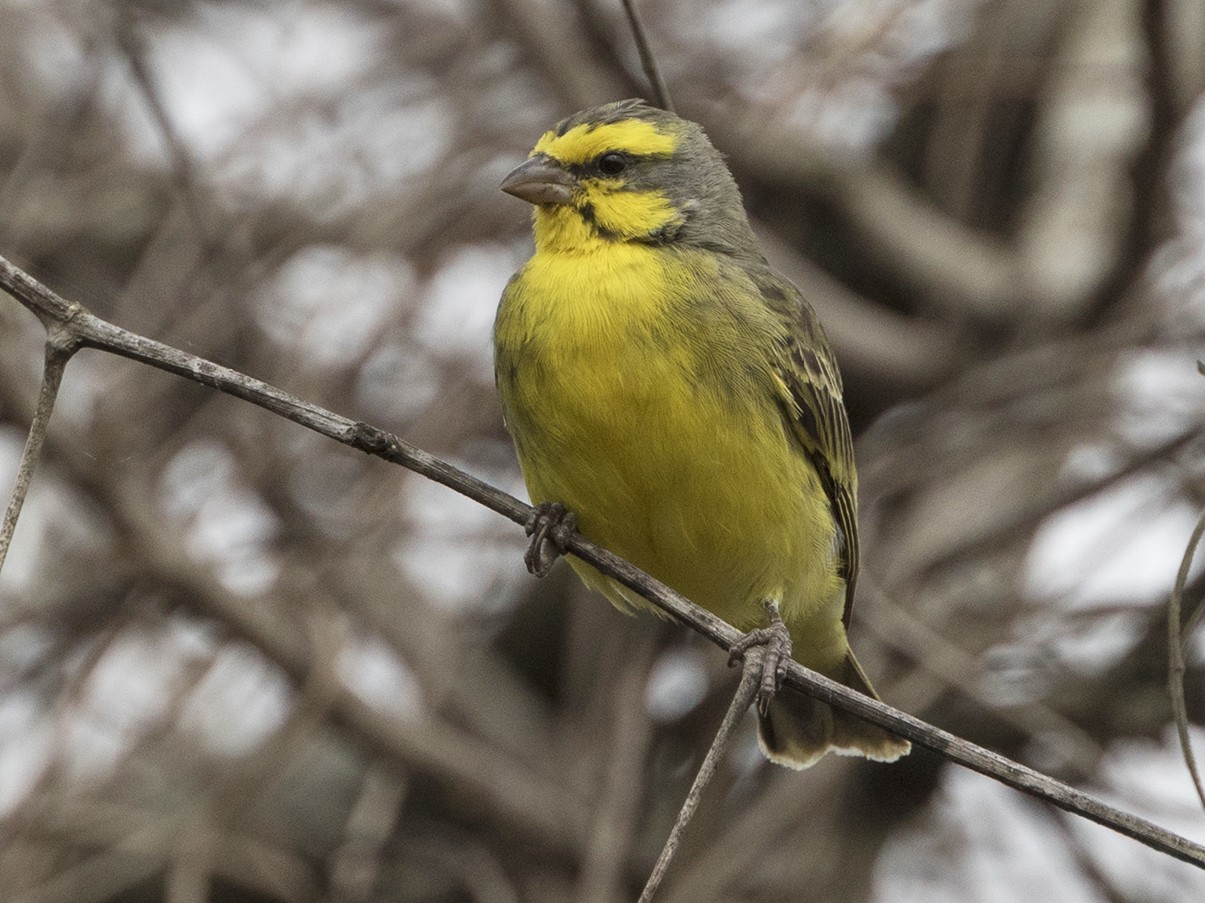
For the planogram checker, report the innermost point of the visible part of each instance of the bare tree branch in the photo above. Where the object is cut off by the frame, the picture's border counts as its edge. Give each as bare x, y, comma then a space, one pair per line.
60, 345
647, 60
750, 679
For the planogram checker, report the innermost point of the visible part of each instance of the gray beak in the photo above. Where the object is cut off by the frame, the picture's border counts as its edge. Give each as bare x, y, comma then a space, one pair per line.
540, 181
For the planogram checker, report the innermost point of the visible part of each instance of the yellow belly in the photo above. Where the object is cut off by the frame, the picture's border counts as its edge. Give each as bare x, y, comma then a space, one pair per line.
623, 396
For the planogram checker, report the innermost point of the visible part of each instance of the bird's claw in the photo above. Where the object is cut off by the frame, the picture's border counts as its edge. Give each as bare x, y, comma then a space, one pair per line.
776, 641
549, 527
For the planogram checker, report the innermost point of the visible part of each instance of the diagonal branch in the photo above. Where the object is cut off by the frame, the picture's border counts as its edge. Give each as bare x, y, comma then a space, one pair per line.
647, 60
91, 331
741, 700
60, 345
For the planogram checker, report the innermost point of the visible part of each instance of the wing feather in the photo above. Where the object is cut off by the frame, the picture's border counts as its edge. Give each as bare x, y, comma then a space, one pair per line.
816, 413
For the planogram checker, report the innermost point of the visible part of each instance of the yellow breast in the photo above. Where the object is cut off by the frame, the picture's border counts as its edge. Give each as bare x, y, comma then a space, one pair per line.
639, 387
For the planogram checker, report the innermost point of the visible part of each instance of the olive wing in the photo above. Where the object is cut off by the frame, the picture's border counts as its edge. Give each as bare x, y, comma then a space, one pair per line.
815, 412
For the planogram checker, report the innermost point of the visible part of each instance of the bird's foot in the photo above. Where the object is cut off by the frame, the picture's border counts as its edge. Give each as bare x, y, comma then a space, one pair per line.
549, 527
776, 640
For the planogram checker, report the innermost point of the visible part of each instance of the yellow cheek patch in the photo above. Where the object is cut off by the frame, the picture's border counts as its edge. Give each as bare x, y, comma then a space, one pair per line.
583, 143
622, 215
630, 214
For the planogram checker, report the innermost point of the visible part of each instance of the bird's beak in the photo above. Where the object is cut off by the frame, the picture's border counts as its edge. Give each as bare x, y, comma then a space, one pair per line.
540, 181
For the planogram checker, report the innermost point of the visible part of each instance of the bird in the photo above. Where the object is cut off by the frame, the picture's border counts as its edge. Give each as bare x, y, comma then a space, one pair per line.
673, 398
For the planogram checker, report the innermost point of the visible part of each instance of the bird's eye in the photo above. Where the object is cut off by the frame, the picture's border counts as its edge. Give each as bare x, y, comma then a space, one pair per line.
613, 163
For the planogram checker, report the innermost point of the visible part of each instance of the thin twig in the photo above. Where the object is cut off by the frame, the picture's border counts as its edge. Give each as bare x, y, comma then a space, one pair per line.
60, 345
94, 332
741, 700
1175, 658
647, 61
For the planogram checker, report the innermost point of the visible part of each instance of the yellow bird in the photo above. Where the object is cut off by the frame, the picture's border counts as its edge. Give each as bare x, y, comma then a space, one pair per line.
678, 396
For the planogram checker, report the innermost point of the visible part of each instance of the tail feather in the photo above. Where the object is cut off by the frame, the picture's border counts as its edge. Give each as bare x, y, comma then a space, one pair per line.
796, 730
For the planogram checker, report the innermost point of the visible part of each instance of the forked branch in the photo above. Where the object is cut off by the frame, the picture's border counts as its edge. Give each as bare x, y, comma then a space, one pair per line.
60, 345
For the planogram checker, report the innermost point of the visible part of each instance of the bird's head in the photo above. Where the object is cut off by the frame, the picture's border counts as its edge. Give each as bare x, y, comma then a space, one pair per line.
628, 172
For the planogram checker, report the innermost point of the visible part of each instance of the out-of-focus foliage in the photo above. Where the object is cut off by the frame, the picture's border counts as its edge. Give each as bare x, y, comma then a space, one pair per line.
241, 663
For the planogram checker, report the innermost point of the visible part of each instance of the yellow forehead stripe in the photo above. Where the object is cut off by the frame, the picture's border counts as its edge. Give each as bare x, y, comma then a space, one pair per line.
584, 142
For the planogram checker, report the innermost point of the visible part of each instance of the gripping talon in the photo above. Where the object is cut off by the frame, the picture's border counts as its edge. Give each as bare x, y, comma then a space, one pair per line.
777, 642
549, 526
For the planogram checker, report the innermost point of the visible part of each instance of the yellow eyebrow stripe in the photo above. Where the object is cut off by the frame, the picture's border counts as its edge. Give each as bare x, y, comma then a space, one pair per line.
583, 143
